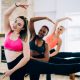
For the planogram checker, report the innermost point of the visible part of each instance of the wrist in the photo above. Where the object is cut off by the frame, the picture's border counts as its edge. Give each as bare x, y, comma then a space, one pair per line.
13, 70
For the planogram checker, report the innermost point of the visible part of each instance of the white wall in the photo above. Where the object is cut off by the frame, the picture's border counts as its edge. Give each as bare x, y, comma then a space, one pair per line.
44, 5
0, 16
67, 6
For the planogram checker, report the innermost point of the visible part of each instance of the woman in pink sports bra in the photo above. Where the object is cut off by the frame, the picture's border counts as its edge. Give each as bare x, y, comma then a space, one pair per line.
16, 43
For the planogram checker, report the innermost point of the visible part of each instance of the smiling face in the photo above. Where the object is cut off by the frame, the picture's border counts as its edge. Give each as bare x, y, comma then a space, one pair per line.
43, 32
60, 30
18, 24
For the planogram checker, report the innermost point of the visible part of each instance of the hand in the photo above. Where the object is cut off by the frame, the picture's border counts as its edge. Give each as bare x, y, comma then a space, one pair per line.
69, 18
23, 5
7, 73
50, 20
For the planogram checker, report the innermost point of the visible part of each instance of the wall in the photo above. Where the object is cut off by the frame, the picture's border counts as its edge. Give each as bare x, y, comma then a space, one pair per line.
63, 8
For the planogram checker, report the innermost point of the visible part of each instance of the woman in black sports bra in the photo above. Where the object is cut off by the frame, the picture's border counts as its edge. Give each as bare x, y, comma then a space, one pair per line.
38, 48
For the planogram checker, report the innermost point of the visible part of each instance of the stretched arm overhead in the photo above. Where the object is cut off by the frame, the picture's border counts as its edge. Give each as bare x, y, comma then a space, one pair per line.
34, 19
62, 19
8, 13
58, 21
25, 42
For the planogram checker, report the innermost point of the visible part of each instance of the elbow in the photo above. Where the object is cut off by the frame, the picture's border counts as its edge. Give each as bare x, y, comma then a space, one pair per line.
26, 59
6, 14
47, 59
32, 20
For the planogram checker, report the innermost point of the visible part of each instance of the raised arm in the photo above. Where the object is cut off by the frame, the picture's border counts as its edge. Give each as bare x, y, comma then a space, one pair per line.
58, 21
8, 13
34, 19
62, 19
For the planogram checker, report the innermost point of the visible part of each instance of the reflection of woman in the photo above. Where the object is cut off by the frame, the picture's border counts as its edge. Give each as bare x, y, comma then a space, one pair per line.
16, 44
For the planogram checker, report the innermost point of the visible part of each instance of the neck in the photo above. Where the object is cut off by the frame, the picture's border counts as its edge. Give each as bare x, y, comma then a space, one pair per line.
57, 35
16, 33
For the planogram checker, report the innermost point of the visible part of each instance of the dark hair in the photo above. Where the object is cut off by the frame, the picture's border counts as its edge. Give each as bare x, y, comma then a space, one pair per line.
46, 27
23, 33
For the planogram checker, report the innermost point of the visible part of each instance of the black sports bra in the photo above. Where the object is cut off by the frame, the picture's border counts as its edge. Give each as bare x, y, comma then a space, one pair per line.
34, 47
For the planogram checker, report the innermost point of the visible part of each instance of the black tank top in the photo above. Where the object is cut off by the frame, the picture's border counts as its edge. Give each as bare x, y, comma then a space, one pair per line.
34, 47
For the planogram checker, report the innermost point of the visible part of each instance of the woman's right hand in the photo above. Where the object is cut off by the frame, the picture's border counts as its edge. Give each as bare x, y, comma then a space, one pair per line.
50, 20
23, 5
7, 74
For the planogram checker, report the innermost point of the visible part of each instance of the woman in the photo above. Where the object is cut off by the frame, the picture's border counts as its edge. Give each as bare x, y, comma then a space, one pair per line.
55, 40
38, 47
16, 43
18, 55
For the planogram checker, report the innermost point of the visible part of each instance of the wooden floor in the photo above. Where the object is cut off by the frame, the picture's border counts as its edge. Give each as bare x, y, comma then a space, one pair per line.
3, 68
53, 77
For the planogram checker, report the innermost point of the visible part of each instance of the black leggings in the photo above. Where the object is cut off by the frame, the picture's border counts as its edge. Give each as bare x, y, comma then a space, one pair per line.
38, 67
60, 59
66, 54
19, 74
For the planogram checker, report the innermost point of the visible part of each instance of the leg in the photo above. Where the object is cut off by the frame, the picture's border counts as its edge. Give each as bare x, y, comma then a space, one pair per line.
68, 54
48, 77
19, 74
49, 68
34, 76
59, 60
16, 77
65, 54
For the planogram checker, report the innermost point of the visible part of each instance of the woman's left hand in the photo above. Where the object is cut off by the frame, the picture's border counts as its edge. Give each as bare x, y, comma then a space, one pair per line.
7, 73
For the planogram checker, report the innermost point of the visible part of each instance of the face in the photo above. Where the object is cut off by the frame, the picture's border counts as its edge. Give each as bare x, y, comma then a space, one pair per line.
43, 32
60, 30
18, 24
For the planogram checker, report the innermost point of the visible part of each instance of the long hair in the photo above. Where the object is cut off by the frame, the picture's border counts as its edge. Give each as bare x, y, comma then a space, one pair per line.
24, 33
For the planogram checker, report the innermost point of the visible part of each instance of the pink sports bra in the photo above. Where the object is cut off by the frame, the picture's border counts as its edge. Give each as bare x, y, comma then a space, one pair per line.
13, 45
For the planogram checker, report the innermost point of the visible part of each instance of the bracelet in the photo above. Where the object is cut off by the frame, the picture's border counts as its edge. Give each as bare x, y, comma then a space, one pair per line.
16, 5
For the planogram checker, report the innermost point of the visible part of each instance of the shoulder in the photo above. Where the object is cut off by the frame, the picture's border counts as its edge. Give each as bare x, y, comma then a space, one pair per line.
46, 45
59, 40
8, 33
